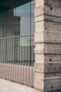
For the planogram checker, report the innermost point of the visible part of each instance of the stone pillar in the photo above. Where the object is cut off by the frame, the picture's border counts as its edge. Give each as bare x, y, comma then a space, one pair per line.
47, 45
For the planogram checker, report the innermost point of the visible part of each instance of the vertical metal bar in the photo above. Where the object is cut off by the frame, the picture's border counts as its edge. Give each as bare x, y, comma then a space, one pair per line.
14, 59
17, 62
1, 59
13, 56
11, 59
7, 58
30, 33
32, 59
28, 64
30, 45
26, 59
25, 38
23, 59
21, 62
4, 58
20, 58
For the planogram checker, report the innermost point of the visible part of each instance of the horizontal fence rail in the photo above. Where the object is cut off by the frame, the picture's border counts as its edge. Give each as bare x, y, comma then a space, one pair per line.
17, 59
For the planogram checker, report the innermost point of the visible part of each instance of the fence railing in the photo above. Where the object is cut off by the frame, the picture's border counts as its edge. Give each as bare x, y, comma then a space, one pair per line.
17, 59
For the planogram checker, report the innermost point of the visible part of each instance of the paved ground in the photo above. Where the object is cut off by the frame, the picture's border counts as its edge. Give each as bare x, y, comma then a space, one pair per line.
7, 86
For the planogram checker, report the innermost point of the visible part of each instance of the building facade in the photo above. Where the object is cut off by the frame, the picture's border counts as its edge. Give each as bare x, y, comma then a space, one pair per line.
30, 43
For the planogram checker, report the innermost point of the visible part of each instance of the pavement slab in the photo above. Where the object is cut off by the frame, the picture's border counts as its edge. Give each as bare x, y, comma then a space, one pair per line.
8, 86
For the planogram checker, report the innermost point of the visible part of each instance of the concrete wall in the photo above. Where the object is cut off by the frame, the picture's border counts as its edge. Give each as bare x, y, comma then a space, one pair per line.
47, 45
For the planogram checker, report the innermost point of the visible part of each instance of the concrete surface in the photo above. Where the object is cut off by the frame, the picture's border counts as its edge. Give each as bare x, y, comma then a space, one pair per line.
8, 86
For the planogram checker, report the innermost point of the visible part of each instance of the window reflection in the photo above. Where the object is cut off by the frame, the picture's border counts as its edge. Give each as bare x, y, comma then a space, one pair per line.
17, 21
26, 13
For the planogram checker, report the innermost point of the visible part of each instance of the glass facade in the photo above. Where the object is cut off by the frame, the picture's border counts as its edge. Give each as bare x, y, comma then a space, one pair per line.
17, 41
17, 21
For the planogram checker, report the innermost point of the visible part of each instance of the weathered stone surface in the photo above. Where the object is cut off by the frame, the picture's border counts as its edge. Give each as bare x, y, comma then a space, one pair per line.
54, 49
41, 58
39, 83
46, 10
51, 84
47, 45
47, 37
48, 67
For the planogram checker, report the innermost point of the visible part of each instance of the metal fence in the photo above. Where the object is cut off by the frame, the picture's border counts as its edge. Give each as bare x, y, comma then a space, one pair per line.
17, 59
